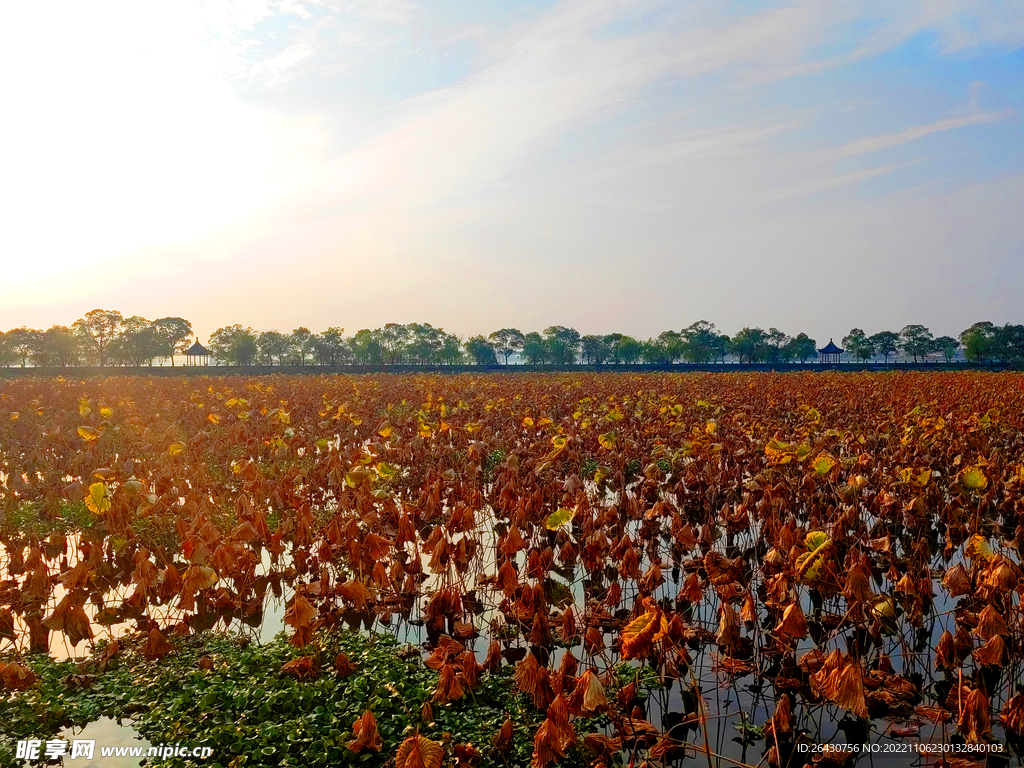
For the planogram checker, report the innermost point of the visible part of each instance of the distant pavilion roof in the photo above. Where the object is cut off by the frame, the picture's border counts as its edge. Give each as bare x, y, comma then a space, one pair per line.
197, 349
831, 349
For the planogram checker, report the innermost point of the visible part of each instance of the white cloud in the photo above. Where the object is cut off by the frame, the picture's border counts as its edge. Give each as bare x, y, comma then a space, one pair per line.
875, 143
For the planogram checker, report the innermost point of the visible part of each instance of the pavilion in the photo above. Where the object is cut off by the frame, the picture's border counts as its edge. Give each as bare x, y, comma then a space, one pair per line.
197, 354
830, 353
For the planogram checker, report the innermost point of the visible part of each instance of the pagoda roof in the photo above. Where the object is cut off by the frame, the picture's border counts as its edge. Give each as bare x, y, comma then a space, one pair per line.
831, 349
197, 349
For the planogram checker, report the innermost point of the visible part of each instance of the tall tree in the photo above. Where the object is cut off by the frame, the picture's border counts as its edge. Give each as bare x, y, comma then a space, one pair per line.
534, 349
23, 342
330, 347
137, 342
885, 343
392, 338
366, 348
174, 333
273, 347
917, 341
630, 350
563, 344
857, 343
451, 350
593, 349
749, 343
701, 340
775, 341
300, 345
61, 345
98, 329
802, 347
7, 355
234, 344
948, 346
507, 341
978, 341
480, 351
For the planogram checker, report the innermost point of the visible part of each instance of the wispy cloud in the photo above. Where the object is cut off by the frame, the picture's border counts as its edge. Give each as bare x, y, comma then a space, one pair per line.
823, 184
875, 143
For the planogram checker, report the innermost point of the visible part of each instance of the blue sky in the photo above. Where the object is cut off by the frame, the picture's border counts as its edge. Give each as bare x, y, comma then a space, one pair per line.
615, 165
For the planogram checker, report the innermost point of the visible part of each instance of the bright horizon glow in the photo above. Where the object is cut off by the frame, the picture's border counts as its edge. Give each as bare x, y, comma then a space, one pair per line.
612, 165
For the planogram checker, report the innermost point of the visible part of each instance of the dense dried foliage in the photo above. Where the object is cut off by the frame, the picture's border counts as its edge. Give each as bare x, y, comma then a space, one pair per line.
845, 544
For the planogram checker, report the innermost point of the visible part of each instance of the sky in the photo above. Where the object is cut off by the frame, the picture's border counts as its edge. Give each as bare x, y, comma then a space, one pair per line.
612, 165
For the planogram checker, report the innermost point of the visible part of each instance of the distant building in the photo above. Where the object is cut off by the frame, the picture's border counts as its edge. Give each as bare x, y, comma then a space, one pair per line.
830, 353
197, 354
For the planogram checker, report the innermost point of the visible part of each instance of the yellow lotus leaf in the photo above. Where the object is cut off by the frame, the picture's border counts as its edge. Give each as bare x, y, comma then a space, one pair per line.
198, 577
558, 518
528, 422
711, 427
386, 470
213, 418
175, 448
823, 464
808, 565
973, 479
778, 452
608, 440
600, 474
106, 412
803, 451
978, 547
88, 433
354, 478
385, 429
419, 752
425, 430
558, 441
355, 419
98, 499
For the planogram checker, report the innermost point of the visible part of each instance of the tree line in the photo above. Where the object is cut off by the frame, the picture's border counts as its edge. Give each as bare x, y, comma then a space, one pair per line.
107, 338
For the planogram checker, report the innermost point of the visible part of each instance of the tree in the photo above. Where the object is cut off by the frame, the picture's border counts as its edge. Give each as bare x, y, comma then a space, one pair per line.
978, 341
451, 349
300, 345
234, 344
424, 343
61, 346
594, 349
630, 350
885, 343
534, 349
749, 343
98, 329
665, 349
917, 341
700, 340
802, 347
329, 347
1009, 342
366, 348
273, 346
23, 342
614, 343
775, 341
858, 344
7, 355
563, 344
137, 343
481, 351
174, 333
948, 346
392, 339
507, 341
